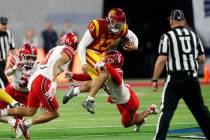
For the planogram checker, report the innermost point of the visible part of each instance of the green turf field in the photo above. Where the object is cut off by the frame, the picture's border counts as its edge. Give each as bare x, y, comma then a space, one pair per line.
75, 123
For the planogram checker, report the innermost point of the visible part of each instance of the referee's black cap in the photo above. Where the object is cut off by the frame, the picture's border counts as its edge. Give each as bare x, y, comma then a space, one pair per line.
177, 15
3, 20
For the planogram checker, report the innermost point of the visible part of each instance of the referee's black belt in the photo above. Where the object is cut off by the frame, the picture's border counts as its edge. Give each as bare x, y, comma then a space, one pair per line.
184, 73
2, 60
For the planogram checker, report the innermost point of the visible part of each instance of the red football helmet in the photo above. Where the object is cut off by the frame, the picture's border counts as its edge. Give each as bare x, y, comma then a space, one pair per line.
29, 54
114, 58
116, 20
69, 39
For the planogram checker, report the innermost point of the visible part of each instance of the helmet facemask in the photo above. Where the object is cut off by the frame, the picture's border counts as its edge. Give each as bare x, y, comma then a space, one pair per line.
115, 26
29, 61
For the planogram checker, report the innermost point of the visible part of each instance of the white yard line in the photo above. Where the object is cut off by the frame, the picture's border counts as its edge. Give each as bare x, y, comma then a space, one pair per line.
89, 127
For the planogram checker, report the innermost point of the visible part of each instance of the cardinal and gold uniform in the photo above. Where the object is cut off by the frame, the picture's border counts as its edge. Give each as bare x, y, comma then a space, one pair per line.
103, 40
5, 97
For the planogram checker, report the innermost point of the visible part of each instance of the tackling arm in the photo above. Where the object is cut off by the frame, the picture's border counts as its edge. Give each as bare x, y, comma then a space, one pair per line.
112, 72
117, 79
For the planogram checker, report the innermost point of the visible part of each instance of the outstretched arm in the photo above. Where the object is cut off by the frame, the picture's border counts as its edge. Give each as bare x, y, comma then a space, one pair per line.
77, 76
112, 72
116, 78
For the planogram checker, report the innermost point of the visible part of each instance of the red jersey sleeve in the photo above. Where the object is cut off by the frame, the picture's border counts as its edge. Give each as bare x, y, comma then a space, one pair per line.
81, 77
69, 51
115, 75
12, 62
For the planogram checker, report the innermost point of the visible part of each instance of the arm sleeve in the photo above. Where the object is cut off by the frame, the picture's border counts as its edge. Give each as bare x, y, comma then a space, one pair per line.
163, 45
200, 46
81, 77
133, 38
116, 78
12, 62
87, 39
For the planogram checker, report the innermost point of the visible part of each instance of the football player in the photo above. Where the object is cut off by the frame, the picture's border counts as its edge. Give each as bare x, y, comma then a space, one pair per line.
119, 93
40, 86
101, 35
21, 67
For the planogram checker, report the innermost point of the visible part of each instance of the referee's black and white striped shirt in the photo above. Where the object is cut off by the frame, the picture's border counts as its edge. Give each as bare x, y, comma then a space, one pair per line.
182, 47
6, 44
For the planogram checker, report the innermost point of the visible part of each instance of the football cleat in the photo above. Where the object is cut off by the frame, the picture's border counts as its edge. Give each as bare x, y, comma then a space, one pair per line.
89, 106
24, 130
17, 129
69, 95
137, 128
153, 109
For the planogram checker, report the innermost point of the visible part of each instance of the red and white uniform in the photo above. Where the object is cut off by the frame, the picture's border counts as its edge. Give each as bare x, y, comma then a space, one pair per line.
40, 84
121, 94
17, 89
21, 75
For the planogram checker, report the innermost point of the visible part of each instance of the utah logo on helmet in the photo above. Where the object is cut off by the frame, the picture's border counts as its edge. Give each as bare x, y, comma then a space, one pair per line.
69, 39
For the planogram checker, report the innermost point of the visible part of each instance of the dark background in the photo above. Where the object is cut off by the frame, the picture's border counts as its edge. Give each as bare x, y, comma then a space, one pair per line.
148, 20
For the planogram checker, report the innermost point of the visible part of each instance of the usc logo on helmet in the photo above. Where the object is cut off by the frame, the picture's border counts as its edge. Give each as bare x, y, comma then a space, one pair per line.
92, 27
112, 13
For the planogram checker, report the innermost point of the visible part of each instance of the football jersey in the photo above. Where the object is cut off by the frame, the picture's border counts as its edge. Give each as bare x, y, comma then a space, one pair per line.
119, 93
46, 68
103, 38
115, 86
21, 76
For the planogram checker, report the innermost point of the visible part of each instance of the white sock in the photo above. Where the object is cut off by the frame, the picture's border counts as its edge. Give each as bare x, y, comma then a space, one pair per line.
76, 90
90, 98
13, 103
3, 112
12, 121
28, 123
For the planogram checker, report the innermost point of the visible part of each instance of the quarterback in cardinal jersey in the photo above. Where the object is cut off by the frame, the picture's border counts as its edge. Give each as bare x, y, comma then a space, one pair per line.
100, 37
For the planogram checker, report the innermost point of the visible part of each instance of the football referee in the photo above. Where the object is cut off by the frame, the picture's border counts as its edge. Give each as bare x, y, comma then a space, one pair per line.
6, 44
181, 50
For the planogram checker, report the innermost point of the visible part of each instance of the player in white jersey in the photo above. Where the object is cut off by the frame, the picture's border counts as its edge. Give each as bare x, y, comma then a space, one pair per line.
121, 94
40, 85
21, 67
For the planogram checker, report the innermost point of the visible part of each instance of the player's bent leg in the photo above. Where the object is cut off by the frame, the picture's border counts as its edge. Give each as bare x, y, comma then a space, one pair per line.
140, 118
45, 117
97, 84
75, 90
19, 111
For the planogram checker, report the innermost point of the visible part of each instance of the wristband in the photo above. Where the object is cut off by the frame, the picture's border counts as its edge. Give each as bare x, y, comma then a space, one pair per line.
154, 80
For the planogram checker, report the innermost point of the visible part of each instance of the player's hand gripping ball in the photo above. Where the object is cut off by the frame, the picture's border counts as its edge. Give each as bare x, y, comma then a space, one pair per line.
126, 44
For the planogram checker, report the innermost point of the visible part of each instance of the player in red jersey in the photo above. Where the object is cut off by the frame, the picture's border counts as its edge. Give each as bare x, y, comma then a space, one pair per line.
21, 67
119, 93
41, 86
101, 35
